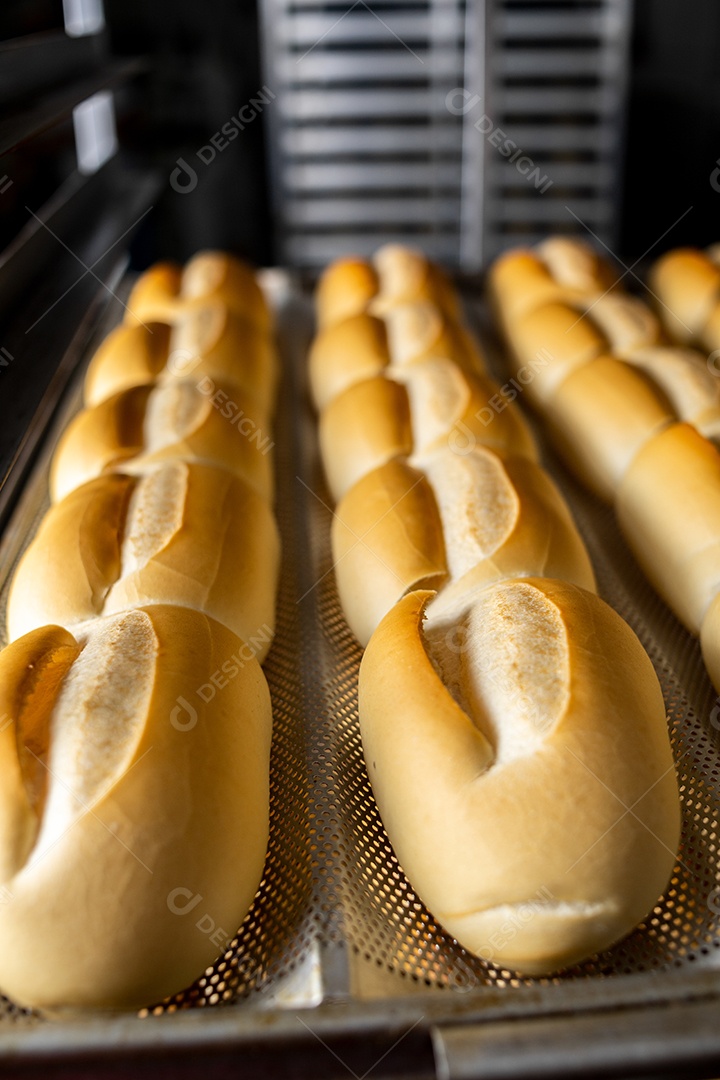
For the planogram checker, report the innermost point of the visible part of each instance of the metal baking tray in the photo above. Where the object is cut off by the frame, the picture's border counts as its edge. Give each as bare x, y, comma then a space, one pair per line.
339, 968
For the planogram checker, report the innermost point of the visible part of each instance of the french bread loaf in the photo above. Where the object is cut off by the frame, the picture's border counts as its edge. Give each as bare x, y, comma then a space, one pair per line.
636, 423
134, 748
503, 749
141, 428
127, 799
503, 737
397, 274
167, 291
185, 534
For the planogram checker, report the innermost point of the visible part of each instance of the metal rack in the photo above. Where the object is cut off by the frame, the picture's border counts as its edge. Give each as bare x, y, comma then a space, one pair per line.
68, 237
460, 125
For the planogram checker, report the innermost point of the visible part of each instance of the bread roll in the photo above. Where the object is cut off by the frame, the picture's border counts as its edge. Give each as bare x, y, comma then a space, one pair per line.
406, 275
458, 522
166, 291
436, 404
686, 283
209, 341
345, 353
559, 269
668, 505
364, 346
186, 534
153, 298
600, 416
214, 341
345, 289
131, 355
396, 275
552, 341
124, 750
218, 276
687, 382
140, 429
518, 739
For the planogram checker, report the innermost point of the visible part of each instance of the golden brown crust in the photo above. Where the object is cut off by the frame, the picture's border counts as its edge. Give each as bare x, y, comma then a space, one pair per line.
386, 539
600, 417
138, 429
345, 353
687, 287
166, 291
345, 289
131, 355
219, 276
362, 428
668, 505
559, 270
153, 298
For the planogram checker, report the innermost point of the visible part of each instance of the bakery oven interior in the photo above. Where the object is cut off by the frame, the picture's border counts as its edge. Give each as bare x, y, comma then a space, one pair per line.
291, 132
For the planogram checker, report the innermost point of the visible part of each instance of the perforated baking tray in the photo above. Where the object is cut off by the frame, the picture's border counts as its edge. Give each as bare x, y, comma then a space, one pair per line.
337, 945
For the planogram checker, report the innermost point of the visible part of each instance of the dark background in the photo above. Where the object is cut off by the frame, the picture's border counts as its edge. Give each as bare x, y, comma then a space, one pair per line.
205, 63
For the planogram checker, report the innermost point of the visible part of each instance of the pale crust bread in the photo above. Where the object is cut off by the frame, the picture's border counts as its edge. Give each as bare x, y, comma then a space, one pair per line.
413, 412
455, 522
185, 534
559, 269
167, 291
494, 737
502, 735
138, 429
109, 808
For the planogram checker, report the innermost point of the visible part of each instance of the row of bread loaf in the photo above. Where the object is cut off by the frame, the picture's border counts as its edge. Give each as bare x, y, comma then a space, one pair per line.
134, 753
633, 415
505, 710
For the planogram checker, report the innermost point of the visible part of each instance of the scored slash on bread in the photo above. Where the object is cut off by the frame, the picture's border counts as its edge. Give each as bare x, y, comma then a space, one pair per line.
178, 535
141, 428
135, 741
635, 418
106, 807
493, 746
509, 718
